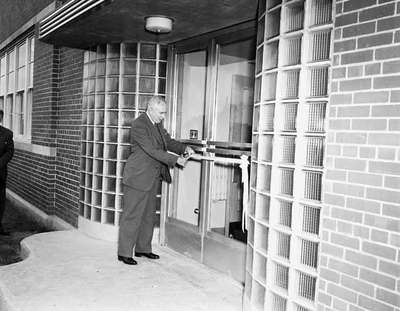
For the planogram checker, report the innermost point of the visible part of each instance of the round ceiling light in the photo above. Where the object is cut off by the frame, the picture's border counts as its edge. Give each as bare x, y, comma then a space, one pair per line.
158, 24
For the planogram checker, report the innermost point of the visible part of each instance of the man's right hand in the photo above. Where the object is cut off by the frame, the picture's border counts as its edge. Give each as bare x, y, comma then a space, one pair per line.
182, 161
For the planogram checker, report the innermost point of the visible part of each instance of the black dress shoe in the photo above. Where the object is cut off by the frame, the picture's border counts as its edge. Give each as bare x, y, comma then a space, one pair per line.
148, 255
127, 260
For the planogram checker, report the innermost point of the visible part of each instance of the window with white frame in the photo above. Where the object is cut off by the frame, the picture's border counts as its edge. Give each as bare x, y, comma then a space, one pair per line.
16, 82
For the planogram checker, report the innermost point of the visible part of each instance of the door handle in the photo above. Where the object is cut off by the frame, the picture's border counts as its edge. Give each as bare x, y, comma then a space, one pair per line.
196, 211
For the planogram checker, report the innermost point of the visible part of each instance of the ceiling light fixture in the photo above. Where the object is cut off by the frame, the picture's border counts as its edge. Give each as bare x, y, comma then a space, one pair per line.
158, 24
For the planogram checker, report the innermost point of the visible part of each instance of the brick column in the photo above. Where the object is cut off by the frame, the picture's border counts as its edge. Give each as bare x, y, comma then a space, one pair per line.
359, 257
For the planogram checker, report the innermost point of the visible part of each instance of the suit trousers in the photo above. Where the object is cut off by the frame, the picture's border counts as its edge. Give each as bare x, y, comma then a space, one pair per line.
137, 220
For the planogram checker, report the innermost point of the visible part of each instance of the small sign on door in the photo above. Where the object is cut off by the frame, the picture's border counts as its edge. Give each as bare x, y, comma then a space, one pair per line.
194, 134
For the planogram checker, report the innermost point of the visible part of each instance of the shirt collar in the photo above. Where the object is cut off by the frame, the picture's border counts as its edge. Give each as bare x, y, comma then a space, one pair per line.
151, 120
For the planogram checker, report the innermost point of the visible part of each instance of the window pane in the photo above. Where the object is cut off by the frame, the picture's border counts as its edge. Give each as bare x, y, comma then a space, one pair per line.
9, 110
21, 61
19, 113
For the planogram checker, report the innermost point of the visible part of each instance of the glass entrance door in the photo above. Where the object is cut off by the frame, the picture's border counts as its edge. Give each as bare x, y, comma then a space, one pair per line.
212, 111
183, 231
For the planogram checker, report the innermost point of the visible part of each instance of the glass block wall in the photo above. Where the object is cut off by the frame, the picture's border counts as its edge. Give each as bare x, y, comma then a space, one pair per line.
118, 81
291, 95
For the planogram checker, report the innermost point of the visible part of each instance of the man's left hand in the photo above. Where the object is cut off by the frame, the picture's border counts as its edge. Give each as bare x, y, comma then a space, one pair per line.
188, 152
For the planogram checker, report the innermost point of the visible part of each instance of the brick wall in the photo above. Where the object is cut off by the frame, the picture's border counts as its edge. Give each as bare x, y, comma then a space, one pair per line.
360, 249
45, 94
32, 176
52, 183
68, 142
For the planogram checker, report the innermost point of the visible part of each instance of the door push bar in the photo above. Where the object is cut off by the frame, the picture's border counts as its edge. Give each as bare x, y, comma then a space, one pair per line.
243, 163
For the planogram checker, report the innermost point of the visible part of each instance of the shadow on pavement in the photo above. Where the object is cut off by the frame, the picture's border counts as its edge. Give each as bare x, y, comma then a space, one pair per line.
19, 225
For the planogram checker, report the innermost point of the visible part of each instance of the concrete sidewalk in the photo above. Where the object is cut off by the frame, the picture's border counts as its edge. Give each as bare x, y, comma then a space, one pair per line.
67, 270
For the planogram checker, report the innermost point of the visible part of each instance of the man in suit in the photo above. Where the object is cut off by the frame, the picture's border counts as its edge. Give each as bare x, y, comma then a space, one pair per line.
147, 165
6, 153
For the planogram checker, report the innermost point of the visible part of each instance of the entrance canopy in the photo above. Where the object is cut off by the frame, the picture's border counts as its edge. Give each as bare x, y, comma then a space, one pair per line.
84, 23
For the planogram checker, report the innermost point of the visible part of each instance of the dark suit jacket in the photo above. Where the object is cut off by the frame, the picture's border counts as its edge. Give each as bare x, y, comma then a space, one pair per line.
149, 158
6, 151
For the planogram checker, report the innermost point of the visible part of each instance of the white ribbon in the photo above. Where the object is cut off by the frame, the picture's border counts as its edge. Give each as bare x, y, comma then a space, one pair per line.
243, 163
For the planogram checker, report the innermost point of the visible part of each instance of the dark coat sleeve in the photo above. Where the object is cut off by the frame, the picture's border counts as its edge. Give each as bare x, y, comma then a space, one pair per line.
172, 144
140, 135
8, 150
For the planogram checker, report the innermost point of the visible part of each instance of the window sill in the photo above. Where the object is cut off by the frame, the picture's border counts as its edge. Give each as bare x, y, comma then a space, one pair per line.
26, 145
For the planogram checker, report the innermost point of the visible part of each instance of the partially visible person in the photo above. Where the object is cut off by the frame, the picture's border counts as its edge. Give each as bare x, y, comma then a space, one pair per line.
6, 153
147, 165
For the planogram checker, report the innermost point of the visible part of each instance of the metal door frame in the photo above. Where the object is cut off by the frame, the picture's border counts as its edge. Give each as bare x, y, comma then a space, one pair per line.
210, 43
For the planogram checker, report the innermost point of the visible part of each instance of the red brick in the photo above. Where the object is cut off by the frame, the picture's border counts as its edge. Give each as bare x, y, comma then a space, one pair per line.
323, 298
350, 151
329, 275
372, 69
387, 82
367, 152
392, 182
353, 112
388, 52
333, 149
391, 67
338, 73
388, 23
355, 71
361, 259
391, 210
344, 227
389, 268
354, 283
339, 124
383, 195
395, 240
387, 153
340, 99
360, 231
384, 139
351, 138
380, 167
394, 125
356, 4
365, 179
397, 36
379, 250
347, 215
377, 12
377, 278
359, 30
345, 241
372, 304
395, 96
342, 293
361, 84
344, 46
384, 223
379, 236
375, 40
370, 97
332, 250
334, 199
388, 297
356, 57
385, 111
363, 205
346, 19
369, 124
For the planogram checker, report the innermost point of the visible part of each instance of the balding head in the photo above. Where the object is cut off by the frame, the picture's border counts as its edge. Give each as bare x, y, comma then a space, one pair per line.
157, 108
